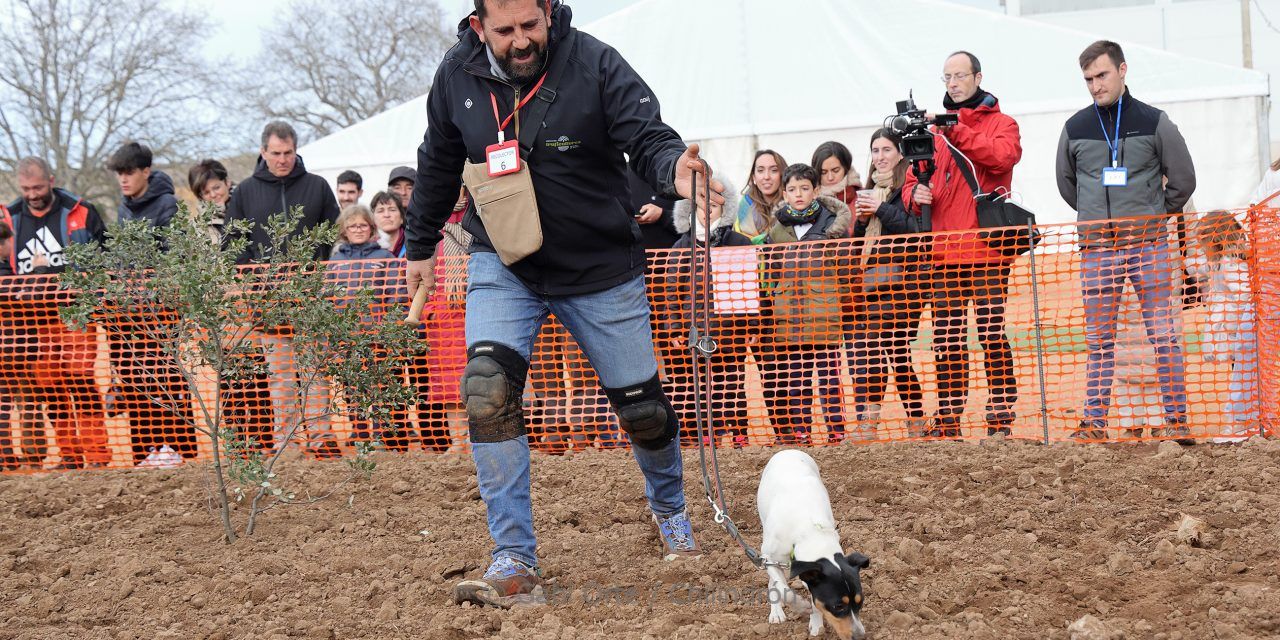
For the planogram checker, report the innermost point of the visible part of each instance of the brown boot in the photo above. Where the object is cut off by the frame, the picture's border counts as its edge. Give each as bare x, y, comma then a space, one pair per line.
508, 582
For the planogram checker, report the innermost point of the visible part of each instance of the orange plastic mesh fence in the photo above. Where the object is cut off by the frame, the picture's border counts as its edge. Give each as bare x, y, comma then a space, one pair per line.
1110, 333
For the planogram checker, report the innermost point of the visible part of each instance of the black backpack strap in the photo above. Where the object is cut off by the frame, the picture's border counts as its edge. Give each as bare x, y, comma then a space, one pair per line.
547, 94
963, 165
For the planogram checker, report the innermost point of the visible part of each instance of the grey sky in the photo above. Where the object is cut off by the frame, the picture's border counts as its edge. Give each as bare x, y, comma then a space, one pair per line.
235, 24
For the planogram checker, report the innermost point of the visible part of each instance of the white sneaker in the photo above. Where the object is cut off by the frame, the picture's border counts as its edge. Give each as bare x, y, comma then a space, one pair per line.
163, 458
168, 458
152, 461
1234, 436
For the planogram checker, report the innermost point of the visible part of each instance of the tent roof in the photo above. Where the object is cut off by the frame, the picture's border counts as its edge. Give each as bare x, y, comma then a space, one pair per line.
389, 138
728, 68
806, 65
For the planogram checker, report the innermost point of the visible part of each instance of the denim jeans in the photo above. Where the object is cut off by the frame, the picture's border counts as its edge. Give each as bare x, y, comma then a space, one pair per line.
789, 373
288, 403
1104, 272
612, 328
1243, 385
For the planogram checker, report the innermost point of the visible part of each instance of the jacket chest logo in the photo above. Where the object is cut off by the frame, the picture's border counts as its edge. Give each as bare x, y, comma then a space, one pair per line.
468, 104
563, 143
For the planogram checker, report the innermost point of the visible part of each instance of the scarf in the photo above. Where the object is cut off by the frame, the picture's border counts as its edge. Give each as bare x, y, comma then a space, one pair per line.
750, 223
790, 217
847, 190
883, 190
977, 100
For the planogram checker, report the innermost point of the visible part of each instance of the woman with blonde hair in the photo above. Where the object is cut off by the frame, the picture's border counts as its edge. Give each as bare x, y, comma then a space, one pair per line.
358, 262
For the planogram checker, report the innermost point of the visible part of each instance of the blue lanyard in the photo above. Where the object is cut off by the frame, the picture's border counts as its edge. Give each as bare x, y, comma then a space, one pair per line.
1114, 147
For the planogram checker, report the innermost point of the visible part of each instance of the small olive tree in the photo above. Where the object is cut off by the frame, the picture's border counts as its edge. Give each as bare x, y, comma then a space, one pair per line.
178, 290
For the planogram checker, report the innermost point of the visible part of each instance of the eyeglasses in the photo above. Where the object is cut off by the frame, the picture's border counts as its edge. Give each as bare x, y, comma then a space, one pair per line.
357, 227
946, 79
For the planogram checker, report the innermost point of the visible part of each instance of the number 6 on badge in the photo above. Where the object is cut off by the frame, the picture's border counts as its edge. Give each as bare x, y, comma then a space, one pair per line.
503, 158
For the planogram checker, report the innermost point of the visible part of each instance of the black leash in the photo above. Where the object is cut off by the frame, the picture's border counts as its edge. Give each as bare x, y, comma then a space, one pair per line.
703, 345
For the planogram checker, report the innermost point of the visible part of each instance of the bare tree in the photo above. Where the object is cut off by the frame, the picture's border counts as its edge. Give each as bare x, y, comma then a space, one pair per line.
328, 65
79, 77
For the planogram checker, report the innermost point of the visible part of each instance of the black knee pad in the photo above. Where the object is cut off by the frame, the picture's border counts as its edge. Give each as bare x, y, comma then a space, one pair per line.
645, 413
492, 388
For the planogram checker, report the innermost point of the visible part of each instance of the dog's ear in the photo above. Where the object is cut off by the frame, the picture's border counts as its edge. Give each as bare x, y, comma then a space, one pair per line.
858, 560
807, 571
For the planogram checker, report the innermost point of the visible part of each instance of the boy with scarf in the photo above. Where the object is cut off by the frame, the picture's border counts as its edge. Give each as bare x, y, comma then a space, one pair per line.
806, 302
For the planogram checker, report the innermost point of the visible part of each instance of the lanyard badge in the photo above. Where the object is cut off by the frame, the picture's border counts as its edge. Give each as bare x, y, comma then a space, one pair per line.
504, 158
1115, 175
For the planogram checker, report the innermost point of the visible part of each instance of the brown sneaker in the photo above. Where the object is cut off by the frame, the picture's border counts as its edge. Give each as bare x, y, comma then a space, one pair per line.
507, 583
1179, 432
676, 533
327, 450
1089, 432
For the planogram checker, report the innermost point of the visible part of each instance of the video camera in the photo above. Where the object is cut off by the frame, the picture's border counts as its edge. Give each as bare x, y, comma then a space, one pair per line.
913, 126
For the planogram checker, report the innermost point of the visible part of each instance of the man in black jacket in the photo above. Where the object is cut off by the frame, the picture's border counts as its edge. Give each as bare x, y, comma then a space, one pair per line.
585, 106
151, 388
146, 194
279, 183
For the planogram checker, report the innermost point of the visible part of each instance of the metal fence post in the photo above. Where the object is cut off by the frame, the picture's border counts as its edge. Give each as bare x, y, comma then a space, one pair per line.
1035, 304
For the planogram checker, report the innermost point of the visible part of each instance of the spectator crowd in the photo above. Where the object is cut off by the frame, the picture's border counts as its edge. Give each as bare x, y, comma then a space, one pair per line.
807, 311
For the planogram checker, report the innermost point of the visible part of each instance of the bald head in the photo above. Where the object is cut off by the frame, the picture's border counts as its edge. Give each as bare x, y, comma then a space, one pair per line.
34, 167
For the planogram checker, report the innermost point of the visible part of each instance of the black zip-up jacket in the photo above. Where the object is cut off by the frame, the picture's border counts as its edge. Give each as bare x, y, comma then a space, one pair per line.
601, 110
263, 195
1150, 147
156, 206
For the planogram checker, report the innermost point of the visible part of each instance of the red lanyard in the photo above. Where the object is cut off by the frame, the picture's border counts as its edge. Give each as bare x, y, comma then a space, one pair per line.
502, 124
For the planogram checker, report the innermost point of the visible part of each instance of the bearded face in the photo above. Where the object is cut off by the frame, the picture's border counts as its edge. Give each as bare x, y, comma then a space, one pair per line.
516, 33
522, 65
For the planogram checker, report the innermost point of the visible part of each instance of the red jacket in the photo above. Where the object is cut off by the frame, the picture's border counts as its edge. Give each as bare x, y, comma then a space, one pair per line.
992, 141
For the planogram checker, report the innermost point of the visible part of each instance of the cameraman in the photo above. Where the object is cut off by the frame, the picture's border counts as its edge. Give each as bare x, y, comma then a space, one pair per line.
965, 269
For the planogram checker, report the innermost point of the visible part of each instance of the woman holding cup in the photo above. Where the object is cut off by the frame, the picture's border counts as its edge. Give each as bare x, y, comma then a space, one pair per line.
887, 301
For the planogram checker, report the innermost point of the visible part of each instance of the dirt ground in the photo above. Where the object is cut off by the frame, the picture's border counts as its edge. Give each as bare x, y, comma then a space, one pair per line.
994, 540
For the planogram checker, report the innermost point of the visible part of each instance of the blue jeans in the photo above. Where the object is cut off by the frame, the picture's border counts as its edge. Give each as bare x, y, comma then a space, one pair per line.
1243, 385
1104, 272
612, 328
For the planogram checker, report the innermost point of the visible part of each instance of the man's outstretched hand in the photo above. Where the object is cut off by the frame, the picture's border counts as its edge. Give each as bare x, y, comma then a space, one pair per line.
689, 163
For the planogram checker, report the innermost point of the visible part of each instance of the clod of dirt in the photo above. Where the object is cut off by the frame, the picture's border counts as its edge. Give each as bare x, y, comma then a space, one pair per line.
388, 611
1168, 449
909, 549
400, 487
459, 570
1120, 563
899, 620
1091, 628
1165, 554
1192, 531
1026, 480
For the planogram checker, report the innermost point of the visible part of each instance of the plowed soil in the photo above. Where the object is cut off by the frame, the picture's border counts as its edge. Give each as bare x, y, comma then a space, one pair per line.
994, 540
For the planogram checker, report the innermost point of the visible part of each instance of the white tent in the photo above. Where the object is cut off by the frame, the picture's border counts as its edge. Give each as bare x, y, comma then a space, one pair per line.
739, 75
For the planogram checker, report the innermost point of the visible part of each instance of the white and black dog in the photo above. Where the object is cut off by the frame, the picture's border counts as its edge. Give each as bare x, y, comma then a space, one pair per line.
800, 529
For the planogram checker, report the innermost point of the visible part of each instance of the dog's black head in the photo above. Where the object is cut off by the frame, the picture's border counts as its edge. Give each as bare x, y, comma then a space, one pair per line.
837, 590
